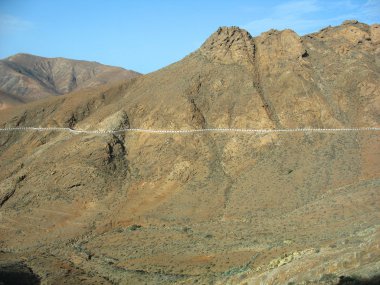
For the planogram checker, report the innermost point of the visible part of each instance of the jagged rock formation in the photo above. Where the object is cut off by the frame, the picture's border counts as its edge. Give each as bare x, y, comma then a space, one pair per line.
223, 208
25, 77
229, 45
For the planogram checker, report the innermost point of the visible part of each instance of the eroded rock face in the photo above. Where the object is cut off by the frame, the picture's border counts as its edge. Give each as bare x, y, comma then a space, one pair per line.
229, 45
375, 33
137, 208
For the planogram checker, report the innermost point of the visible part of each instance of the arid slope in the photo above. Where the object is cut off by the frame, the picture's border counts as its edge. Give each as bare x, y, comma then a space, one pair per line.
205, 208
25, 77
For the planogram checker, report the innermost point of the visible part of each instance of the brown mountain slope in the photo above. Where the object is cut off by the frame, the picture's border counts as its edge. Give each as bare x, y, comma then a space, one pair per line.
7, 101
205, 208
32, 77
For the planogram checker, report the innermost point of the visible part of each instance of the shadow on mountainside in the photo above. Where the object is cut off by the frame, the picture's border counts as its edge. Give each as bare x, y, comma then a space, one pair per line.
17, 274
347, 280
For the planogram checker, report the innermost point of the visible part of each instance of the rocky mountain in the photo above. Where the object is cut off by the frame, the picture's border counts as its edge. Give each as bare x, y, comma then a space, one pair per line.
25, 77
210, 207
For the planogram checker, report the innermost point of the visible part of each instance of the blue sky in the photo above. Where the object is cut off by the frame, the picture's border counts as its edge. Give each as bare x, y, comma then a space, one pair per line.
145, 35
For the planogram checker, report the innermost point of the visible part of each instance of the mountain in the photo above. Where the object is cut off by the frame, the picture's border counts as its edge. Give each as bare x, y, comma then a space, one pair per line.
206, 207
25, 77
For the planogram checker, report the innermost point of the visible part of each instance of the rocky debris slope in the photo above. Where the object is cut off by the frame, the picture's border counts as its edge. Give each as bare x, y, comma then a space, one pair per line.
140, 208
30, 77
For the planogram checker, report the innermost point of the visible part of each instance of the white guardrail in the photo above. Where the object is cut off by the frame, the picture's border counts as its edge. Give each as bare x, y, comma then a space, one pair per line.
186, 131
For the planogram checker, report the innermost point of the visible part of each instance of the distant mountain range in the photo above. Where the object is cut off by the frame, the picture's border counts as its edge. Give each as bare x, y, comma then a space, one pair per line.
25, 77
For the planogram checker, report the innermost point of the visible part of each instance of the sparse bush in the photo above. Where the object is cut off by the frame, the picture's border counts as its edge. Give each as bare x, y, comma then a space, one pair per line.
186, 229
329, 277
236, 270
134, 227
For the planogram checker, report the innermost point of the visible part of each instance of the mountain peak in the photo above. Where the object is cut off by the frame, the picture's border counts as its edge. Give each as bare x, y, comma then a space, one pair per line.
19, 56
31, 77
229, 45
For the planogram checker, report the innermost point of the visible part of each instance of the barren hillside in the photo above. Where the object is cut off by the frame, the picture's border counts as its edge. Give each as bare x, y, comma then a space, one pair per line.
213, 207
25, 77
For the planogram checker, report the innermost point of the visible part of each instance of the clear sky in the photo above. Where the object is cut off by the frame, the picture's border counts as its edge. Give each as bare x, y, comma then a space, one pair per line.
145, 35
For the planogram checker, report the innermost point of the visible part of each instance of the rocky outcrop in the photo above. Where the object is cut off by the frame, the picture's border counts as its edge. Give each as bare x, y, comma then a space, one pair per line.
229, 45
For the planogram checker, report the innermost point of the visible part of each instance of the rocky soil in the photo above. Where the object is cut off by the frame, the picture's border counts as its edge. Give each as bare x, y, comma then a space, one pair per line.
205, 208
